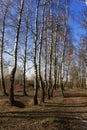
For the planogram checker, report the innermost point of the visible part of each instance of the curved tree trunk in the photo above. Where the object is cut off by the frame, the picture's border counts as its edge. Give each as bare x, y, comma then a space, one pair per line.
12, 78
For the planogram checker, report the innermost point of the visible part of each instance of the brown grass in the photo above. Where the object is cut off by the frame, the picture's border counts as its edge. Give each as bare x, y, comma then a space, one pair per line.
58, 113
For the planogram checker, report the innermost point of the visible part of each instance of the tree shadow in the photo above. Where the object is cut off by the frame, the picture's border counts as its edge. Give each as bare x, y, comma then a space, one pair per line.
19, 104
68, 95
22, 95
65, 106
57, 105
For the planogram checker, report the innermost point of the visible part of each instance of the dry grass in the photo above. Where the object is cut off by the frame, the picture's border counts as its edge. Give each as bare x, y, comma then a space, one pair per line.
69, 113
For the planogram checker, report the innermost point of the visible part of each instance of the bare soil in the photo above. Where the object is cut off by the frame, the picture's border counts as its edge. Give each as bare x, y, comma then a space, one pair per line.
58, 113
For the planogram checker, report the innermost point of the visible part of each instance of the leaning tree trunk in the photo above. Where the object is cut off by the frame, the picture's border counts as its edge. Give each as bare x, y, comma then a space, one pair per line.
35, 52
12, 78
2, 49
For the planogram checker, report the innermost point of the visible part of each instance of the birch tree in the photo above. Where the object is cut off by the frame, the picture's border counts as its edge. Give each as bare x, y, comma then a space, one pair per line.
51, 40
55, 43
45, 51
4, 15
40, 50
65, 24
35, 54
25, 53
12, 77
55, 59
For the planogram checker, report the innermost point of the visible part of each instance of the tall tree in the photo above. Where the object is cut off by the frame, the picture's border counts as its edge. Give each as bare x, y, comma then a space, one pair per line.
27, 13
45, 51
12, 77
65, 24
5, 10
55, 59
25, 53
55, 42
51, 47
35, 54
40, 50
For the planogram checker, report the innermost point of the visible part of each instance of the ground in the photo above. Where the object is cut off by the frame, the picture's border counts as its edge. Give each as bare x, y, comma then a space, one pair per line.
58, 113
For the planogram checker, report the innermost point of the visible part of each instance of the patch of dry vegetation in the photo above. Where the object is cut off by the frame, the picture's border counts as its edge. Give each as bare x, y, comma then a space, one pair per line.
58, 113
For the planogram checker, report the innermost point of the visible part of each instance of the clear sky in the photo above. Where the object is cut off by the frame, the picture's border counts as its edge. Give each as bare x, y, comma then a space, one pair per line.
76, 12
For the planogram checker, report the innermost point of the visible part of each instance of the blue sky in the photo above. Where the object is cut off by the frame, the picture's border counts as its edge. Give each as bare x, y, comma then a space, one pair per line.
76, 8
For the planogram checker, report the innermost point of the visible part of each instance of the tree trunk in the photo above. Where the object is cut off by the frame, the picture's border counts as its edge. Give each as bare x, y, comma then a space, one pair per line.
35, 52
2, 49
45, 65
35, 88
55, 62
64, 42
12, 86
40, 50
12, 78
51, 47
25, 51
45, 69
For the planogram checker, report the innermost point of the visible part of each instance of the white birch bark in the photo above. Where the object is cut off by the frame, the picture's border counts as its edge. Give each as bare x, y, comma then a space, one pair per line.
35, 52
2, 48
51, 47
25, 53
12, 77
40, 50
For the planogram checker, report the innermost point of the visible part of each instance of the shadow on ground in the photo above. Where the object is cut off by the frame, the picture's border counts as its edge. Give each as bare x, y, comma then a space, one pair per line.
19, 104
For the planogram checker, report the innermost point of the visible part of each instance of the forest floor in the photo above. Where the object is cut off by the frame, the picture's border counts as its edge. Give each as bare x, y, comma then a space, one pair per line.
58, 113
